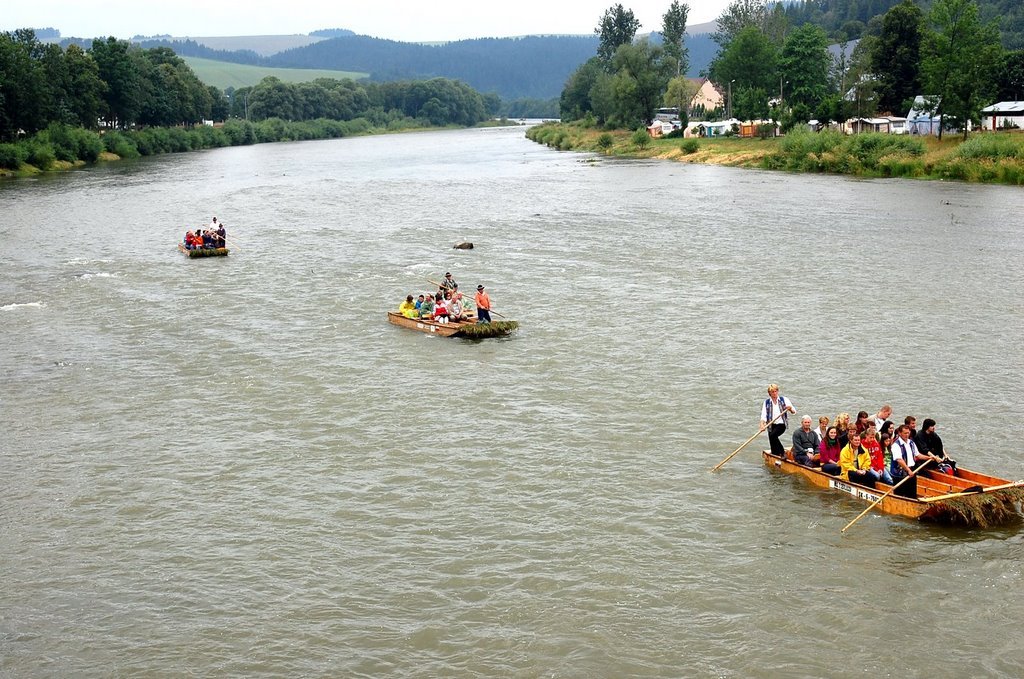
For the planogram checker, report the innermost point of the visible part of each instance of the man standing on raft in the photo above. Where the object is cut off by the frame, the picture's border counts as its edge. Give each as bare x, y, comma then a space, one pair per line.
483, 305
773, 406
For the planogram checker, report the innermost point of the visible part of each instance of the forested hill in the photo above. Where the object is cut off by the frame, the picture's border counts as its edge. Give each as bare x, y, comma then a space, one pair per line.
535, 67
529, 67
854, 18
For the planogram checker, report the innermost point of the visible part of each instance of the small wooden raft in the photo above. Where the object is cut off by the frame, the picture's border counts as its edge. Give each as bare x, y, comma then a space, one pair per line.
470, 329
966, 498
202, 252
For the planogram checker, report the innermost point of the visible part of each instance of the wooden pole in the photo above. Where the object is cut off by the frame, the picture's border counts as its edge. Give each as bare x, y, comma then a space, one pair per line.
974, 490
879, 500
744, 445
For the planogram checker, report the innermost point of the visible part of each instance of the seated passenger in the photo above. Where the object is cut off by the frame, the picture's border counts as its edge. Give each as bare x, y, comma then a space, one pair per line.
407, 308
856, 463
440, 309
870, 443
805, 443
427, 308
419, 304
188, 240
862, 421
842, 423
828, 452
885, 443
455, 310
929, 443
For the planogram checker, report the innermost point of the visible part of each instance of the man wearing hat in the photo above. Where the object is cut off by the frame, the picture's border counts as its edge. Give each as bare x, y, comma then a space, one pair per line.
483, 305
449, 282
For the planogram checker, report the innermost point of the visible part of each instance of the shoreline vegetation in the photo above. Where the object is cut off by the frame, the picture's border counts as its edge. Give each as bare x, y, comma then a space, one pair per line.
61, 147
990, 158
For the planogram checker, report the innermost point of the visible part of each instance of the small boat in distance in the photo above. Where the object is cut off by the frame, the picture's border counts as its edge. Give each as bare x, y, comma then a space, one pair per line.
964, 498
470, 329
203, 252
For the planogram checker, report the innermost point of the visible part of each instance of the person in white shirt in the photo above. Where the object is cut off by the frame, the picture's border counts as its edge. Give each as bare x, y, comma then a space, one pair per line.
883, 414
906, 459
774, 406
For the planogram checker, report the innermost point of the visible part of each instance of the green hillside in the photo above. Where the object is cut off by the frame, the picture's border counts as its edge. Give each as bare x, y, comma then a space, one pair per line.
223, 74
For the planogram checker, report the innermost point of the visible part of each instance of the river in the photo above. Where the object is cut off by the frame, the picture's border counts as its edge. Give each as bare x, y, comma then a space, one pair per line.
236, 467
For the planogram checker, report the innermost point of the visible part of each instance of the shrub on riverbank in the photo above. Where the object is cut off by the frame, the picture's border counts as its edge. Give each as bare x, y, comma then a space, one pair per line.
859, 154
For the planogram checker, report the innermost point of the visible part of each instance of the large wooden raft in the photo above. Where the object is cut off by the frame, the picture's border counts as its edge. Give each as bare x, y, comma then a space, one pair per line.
967, 499
469, 328
202, 252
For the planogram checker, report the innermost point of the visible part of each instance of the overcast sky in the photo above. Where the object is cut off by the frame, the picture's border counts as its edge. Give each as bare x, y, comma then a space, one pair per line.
405, 20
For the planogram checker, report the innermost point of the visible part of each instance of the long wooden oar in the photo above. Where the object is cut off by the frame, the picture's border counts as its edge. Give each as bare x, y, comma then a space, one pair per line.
756, 434
973, 490
441, 286
879, 500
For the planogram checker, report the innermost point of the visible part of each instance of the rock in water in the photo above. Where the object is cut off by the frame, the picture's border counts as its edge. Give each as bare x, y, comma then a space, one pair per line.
464, 245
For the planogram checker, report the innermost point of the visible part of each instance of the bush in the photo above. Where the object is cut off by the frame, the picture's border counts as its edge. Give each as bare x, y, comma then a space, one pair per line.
991, 146
239, 132
689, 146
12, 156
605, 141
41, 154
120, 145
641, 139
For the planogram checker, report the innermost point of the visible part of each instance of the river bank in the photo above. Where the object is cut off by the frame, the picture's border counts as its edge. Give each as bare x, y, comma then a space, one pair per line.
992, 158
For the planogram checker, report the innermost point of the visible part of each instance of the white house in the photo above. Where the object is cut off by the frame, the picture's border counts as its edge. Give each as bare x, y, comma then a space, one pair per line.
1002, 115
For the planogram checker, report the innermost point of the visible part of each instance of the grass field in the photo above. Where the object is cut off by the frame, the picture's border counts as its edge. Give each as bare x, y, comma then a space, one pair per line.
223, 74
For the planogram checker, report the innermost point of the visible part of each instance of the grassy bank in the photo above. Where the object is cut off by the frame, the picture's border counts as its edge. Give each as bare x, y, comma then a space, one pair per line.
996, 158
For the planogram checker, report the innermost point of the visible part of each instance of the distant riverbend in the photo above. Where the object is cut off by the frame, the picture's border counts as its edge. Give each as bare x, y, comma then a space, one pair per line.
991, 158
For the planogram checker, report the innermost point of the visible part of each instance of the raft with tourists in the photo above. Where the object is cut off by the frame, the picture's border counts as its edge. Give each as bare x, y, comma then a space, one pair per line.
467, 328
448, 313
963, 498
203, 252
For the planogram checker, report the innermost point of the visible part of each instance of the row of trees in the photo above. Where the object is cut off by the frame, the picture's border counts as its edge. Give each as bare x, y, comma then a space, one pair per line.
438, 101
122, 86
111, 81
948, 54
766, 68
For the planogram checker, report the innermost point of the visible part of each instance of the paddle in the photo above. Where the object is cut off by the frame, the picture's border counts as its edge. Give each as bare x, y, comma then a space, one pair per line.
756, 434
879, 500
973, 490
492, 311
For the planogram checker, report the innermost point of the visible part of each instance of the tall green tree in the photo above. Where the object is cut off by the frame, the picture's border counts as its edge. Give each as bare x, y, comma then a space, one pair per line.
121, 72
896, 57
679, 93
575, 101
804, 65
641, 76
1011, 77
673, 35
740, 14
961, 61
24, 93
617, 27
748, 63
85, 88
